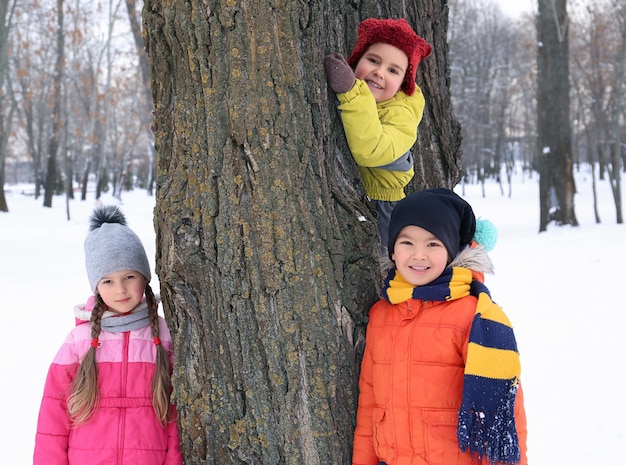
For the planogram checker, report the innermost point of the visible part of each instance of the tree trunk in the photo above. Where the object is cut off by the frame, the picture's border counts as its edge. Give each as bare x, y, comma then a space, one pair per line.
556, 176
617, 118
266, 248
55, 133
8, 104
4, 208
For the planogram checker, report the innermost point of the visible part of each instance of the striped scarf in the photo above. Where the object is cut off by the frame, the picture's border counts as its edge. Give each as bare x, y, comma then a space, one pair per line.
486, 417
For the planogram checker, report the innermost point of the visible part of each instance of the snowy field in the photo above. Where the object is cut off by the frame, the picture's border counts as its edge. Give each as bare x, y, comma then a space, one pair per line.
559, 289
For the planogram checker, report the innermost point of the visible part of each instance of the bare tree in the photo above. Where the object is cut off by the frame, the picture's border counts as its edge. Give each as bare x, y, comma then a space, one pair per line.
135, 26
57, 89
104, 113
266, 248
617, 117
31, 59
8, 103
484, 48
556, 177
598, 83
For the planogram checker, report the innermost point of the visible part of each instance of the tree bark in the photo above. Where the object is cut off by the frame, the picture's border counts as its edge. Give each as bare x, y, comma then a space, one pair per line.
556, 176
55, 135
617, 117
267, 252
8, 103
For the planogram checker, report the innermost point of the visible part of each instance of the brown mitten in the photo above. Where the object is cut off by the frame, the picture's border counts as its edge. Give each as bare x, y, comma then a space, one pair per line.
338, 72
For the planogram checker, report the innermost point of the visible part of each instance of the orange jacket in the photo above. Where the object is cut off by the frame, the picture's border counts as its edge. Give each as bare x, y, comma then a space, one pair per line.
411, 385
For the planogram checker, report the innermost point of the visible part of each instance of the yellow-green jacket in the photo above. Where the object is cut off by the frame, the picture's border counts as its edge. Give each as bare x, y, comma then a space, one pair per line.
380, 137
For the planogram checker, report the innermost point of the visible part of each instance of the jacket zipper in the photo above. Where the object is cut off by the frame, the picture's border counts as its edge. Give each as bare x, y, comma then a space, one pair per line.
122, 429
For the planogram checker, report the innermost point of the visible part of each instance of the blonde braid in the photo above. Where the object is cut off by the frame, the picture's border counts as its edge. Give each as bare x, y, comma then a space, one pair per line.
84, 395
161, 382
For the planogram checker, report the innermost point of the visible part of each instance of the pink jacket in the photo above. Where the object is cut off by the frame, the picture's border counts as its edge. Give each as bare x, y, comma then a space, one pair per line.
124, 429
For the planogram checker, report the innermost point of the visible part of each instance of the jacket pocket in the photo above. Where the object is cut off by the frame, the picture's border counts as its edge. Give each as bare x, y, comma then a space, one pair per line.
381, 445
441, 442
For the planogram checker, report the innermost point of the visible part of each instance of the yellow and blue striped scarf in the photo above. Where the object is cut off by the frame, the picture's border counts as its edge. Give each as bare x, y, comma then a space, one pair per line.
486, 417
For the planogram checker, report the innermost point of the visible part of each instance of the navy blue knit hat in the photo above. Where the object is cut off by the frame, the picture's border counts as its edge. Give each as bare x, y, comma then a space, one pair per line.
112, 246
440, 211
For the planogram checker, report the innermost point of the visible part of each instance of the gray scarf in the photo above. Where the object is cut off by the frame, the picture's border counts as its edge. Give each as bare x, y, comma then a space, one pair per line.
139, 318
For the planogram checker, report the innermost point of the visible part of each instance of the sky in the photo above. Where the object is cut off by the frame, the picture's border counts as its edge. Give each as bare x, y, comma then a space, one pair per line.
515, 8
559, 289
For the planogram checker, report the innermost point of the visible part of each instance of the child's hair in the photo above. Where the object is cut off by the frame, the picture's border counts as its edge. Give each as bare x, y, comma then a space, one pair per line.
83, 398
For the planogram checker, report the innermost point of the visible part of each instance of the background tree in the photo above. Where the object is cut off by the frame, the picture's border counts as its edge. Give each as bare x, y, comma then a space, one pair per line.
266, 248
30, 61
598, 85
8, 104
556, 176
104, 112
485, 47
618, 154
55, 134
135, 27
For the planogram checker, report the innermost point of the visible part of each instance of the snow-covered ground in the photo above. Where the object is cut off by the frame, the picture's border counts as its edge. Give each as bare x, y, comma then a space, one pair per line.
559, 288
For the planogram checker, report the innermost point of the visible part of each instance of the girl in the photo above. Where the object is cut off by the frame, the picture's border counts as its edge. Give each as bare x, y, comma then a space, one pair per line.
381, 108
106, 396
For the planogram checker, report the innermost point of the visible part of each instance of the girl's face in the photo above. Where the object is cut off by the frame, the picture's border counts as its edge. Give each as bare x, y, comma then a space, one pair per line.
419, 256
122, 290
382, 67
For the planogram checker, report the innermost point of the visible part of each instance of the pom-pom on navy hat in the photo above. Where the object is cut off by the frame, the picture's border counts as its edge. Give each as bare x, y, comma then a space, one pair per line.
112, 246
440, 211
398, 33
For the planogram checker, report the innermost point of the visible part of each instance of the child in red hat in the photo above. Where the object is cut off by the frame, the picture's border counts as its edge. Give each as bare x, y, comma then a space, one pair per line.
381, 107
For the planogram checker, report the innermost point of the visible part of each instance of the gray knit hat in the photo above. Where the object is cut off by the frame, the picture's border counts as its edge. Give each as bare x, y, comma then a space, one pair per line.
111, 246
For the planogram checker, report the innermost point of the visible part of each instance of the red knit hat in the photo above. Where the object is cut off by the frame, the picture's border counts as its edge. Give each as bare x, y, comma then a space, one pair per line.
398, 33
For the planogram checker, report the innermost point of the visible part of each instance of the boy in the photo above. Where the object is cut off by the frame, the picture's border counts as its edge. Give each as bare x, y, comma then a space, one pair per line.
439, 381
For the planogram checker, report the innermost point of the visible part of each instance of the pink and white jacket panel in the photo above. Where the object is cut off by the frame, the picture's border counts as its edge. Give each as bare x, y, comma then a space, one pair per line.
124, 429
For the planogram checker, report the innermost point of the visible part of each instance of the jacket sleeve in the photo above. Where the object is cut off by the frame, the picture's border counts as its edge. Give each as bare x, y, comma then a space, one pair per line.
379, 134
53, 424
363, 452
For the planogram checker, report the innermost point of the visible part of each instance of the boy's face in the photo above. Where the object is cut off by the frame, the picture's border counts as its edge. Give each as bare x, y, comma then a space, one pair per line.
419, 256
122, 290
382, 67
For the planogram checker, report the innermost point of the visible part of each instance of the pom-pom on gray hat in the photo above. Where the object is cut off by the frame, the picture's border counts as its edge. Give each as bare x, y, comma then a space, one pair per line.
112, 246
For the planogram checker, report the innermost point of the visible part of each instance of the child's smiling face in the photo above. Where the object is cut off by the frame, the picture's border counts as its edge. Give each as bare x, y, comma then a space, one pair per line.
382, 67
419, 255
